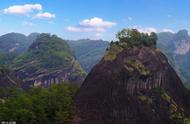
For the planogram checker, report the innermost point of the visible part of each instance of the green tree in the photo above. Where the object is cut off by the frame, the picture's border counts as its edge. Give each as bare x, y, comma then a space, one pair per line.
153, 38
134, 38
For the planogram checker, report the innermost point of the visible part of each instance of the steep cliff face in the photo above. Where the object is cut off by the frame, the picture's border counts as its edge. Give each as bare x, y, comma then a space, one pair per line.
8, 79
132, 86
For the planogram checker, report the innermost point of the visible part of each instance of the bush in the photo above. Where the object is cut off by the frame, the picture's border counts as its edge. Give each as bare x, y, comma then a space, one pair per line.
134, 38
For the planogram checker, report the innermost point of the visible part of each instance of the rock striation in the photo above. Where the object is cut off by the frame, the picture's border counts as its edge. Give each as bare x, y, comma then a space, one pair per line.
132, 86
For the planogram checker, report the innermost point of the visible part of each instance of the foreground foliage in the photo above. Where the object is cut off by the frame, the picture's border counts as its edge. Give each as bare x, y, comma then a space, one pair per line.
38, 105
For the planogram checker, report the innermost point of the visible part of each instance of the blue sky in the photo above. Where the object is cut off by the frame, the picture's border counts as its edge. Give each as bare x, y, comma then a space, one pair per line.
95, 19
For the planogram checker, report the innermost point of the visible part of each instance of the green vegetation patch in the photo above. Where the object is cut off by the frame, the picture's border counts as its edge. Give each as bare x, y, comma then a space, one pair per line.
172, 108
146, 99
38, 105
112, 52
165, 96
48, 51
139, 66
187, 120
135, 38
176, 113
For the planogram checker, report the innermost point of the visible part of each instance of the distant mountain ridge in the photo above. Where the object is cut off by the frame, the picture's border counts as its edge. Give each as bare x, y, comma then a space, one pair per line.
179, 42
13, 44
88, 52
176, 46
16, 42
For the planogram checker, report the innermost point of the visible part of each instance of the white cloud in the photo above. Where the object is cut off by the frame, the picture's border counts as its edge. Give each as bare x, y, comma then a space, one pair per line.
22, 9
168, 30
97, 22
92, 25
29, 10
73, 29
84, 29
45, 15
151, 29
146, 29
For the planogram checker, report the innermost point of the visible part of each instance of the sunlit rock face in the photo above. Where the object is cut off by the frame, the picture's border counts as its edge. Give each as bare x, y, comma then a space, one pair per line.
131, 88
183, 47
182, 42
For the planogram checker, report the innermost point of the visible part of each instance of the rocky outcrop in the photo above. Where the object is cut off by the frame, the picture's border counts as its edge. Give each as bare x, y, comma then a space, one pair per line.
135, 86
177, 49
182, 42
45, 78
8, 79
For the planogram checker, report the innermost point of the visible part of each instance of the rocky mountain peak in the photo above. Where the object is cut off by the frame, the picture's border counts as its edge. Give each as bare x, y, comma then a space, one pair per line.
49, 60
182, 33
182, 42
132, 84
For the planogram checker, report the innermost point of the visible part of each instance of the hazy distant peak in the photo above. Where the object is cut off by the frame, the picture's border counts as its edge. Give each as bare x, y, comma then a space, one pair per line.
183, 33
13, 35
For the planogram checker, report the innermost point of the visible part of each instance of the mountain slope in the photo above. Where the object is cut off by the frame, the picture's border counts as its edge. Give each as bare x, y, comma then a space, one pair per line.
13, 44
48, 60
132, 85
8, 79
177, 48
88, 52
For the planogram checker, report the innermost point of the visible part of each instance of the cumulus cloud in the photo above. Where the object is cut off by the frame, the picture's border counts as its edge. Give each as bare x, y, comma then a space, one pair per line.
146, 29
45, 15
91, 25
168, 30
151, 29
30, 10
22, 9
96, 22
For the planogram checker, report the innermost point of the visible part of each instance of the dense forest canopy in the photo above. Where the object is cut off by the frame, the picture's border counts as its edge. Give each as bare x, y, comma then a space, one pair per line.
38, 105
